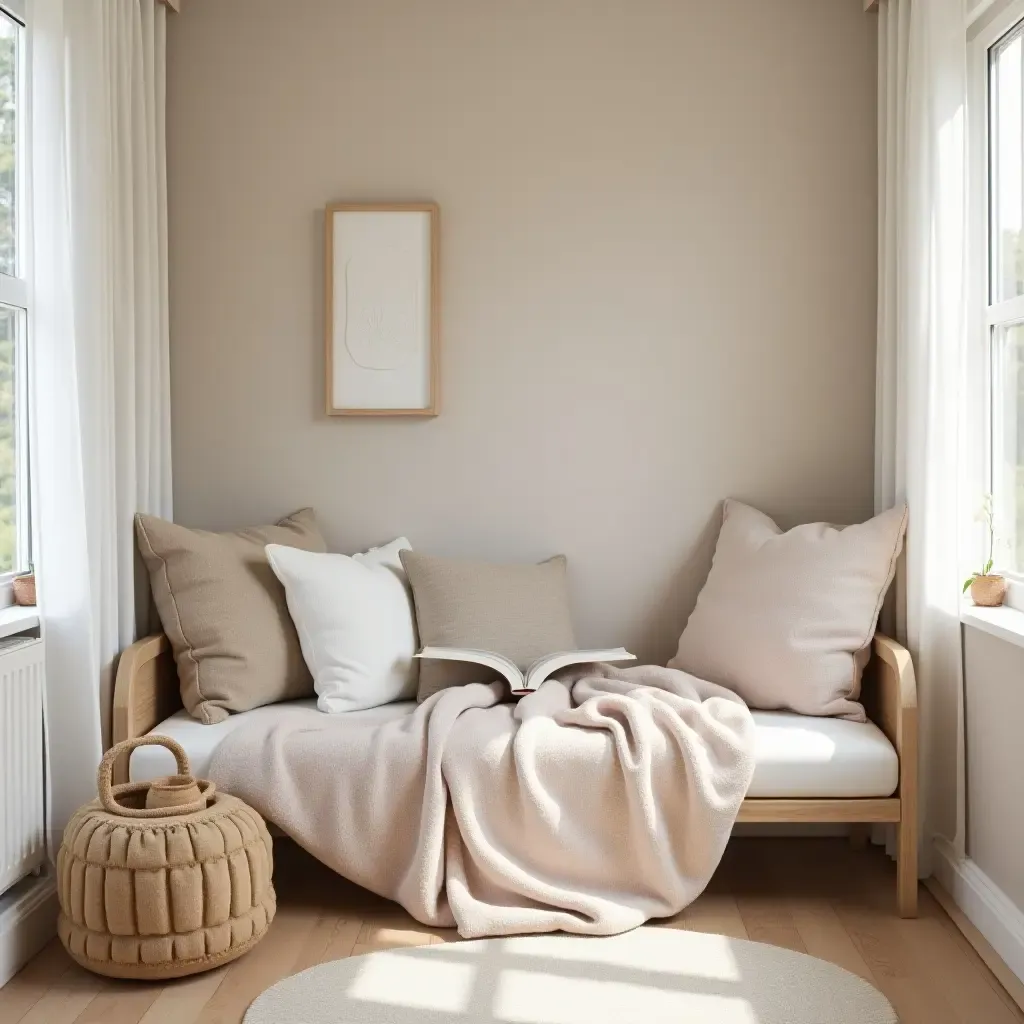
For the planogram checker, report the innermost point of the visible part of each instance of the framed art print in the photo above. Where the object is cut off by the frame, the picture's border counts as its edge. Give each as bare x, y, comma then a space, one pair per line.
383, 309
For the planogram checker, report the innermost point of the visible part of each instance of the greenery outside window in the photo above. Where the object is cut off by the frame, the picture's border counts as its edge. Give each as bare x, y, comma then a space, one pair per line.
15, 313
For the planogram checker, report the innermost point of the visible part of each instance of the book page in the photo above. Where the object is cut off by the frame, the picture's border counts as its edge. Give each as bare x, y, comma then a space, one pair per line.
489, 659
544, 667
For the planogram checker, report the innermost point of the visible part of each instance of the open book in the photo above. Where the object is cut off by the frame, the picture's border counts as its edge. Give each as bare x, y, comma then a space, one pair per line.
523, 682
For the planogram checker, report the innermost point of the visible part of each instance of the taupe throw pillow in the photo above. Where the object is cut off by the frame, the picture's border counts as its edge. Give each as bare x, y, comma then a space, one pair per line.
520, 611
786, 619
225, 613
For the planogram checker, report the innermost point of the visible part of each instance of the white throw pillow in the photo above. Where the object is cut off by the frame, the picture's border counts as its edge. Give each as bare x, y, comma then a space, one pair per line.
355, 621
786, 619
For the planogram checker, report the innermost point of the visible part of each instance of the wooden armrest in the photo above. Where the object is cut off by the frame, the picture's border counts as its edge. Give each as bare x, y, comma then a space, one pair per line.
889, 694
146, 692
890, 699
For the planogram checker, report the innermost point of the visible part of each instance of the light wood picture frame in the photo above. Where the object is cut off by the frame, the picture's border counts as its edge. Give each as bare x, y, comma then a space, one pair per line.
383, 309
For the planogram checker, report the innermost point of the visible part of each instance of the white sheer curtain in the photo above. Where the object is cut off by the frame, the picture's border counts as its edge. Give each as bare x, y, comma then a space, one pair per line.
921, 367
100, 387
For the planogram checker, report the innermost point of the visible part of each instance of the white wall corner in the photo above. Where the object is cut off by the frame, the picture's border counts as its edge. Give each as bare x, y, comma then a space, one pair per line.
984, 904
28, 920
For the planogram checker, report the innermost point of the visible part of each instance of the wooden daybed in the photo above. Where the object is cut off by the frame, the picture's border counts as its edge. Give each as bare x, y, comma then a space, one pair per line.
146, 693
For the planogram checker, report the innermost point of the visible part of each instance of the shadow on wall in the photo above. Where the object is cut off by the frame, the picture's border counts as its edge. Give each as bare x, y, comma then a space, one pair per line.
667, 609
318, 292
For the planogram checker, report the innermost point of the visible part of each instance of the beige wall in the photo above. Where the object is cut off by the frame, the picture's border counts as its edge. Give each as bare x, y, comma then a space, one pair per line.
658, 286
994, 711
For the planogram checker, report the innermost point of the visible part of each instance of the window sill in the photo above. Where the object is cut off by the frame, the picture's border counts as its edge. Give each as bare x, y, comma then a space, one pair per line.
17, 619
1004, 622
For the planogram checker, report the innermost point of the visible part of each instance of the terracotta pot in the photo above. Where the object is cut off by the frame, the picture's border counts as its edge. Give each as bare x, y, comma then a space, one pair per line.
988, 591
25, 590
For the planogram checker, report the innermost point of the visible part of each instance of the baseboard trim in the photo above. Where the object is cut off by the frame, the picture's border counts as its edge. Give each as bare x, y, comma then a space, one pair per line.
28, 920
989, 919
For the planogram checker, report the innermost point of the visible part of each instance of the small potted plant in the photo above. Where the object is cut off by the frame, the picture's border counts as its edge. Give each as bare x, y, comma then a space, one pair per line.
986, 589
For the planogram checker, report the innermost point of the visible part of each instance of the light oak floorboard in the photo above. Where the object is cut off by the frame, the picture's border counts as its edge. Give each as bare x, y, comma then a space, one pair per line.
114, 1005
30, 984
184, 1000
391, 933
715, 913
67, 999
264, 965
321, 936
967, 992
815, 895
1000, 978
824, 936
769, 920
343, 941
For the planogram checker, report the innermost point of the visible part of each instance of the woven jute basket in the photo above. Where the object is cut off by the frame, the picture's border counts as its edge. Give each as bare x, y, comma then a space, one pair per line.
988, 591
163, 879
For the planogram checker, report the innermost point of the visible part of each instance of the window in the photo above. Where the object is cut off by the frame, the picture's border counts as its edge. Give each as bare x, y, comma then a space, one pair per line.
15, 533
1002, 143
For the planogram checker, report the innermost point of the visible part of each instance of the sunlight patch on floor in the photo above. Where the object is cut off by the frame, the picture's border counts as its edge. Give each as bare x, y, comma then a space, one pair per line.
704, 956
424, 984
537, 998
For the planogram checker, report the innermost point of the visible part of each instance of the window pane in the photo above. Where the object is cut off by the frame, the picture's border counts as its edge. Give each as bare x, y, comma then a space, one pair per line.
1006, 86
11, 321
9, 52
1008, 445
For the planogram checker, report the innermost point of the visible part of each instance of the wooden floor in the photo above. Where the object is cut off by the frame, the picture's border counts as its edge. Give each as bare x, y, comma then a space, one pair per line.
817, 896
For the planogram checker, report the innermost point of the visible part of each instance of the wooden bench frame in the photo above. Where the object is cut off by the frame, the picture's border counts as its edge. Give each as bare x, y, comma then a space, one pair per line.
146, 692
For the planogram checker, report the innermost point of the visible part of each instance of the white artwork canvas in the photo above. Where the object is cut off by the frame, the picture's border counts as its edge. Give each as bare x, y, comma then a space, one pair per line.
381, 309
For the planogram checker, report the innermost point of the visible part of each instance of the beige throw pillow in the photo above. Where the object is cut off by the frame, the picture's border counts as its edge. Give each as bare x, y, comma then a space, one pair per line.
225, 613
521, 611
786, 619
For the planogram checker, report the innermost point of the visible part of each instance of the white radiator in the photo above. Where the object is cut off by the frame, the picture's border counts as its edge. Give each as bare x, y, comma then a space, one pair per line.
22, 767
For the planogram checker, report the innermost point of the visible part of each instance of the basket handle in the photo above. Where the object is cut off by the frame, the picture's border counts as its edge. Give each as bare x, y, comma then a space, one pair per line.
106, 770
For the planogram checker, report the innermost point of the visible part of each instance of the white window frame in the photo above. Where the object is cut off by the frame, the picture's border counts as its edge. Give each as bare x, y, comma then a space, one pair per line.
984, 33
16, 293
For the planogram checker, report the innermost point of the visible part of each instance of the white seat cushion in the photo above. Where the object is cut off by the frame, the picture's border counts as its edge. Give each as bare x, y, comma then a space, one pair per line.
826, 758
797, 756
200, 741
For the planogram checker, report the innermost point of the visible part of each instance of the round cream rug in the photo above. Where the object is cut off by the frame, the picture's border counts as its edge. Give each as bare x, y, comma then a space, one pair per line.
646, 976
